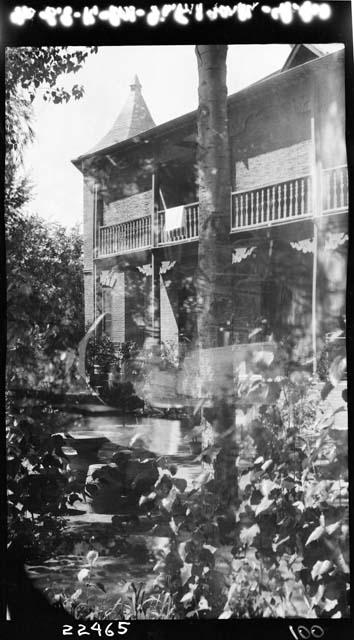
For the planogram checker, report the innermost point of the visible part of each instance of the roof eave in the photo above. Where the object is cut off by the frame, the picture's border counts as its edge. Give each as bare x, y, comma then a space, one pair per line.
191, 115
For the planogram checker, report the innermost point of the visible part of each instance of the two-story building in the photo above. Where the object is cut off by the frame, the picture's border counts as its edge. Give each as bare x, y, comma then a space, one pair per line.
288, 214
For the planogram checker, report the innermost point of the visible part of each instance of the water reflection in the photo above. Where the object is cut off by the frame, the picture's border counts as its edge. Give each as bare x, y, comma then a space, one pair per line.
162, 436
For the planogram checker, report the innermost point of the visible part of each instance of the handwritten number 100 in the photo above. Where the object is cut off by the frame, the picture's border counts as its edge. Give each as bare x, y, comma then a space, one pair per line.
304, 633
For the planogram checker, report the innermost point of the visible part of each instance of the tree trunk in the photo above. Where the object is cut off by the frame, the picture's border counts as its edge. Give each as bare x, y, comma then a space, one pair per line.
214, 193
214, 254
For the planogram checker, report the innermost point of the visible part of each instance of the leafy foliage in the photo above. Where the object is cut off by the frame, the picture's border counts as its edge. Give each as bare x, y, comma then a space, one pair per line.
44, 306
45, 299
100, 352
27, 69
45, 284
282, 549
39, 482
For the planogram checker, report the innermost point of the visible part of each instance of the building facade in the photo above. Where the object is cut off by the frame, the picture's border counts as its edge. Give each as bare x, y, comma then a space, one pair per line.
288, 215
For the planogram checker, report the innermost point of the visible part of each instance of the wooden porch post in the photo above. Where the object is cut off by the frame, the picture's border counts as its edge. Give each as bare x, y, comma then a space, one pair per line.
94, 249
155, 295
314, 298
155, 268
316, 212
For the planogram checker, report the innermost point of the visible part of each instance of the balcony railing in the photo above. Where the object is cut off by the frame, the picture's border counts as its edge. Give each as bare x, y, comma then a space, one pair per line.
271, 204
264, 206
188, 230
125, 236
335, 189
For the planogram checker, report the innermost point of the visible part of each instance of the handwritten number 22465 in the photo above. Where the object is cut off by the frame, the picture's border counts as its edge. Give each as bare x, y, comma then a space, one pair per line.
82, 630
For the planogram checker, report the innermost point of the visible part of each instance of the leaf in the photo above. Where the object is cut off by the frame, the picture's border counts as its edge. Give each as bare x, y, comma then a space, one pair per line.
300, 377
259, 460
225, 615
69, 451
173, 526
245, 480
180, 483
337, 370
267, 486
319, 568
297, 566
231, 592
101, 586
315, 535
255, 332
169, 500
160, 564
126, 587
203, 478
265, 357
318, 595
182, 550
266, 465
247, 535
330, 604
210, 548
326, 390
186, 572
187, 597
144, 499
264, 504
276, 545
331, 528
203, 604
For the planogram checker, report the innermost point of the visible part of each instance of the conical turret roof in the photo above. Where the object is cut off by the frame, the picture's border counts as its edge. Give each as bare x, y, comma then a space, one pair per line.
133, 119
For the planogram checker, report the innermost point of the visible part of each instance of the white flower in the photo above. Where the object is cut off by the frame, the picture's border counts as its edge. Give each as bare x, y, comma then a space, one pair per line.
84, 573
92, 557
203, 604
77, 594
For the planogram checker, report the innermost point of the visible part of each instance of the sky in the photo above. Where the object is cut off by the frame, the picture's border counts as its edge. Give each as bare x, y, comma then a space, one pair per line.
168, 75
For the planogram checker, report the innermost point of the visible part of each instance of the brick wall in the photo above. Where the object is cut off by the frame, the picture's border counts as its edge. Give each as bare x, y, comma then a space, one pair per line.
118, 309
88, 297
135, 206
88, 224
268, 120
88, 250
274, 166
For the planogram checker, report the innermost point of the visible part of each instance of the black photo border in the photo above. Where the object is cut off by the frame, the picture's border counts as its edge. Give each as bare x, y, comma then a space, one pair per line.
37, 618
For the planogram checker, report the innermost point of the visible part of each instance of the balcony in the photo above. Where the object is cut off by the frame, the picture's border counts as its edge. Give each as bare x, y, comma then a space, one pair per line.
272, 204
268, 205
335, 190
125, 237
186, 232
288, 201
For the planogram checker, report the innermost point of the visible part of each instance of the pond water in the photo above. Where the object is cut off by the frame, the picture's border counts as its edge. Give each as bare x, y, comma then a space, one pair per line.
112, 572
167, 438
115, 566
